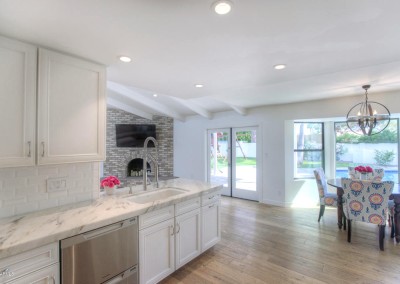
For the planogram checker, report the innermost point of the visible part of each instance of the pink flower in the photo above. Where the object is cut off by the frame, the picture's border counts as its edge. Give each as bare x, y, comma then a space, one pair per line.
363, 169
110, 181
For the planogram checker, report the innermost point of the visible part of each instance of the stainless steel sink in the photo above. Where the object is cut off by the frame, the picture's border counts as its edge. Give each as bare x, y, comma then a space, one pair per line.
157, 194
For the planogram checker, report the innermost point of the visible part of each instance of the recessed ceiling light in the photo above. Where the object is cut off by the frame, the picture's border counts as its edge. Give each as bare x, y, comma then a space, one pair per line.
222, 7
125, 59
199, 85
280, 66
155, 95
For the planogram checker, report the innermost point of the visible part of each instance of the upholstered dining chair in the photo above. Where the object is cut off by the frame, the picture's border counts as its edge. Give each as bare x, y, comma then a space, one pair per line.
378, 174
325, 198
352, 172
366, 201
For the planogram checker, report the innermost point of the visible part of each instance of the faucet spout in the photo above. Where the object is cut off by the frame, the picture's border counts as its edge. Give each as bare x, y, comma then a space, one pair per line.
145, 174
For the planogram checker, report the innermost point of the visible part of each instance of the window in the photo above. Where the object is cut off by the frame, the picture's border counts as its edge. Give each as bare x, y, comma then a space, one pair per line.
308, 148
377, 151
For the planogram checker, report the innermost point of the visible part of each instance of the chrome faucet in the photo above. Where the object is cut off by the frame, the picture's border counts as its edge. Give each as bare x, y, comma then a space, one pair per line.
154, 160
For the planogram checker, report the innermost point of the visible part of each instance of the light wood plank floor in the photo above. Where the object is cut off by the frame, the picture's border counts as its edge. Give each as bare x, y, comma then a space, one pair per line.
268, 244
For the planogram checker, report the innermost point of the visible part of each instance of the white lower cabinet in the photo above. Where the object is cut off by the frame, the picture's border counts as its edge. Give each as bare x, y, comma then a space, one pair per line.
187, 237
156, 252
47, 275
168, 241
40, 265
211, 225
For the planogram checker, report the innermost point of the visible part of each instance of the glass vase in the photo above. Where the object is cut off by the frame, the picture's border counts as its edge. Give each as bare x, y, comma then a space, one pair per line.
109, 190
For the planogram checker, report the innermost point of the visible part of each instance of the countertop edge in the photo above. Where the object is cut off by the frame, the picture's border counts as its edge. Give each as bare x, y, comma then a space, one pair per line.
128, 209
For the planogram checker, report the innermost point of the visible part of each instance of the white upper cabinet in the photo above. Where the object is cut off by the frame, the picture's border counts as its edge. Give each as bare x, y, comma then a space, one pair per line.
71, 109
17, 103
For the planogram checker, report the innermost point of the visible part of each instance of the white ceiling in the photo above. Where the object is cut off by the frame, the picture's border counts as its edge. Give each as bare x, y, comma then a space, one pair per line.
331, 48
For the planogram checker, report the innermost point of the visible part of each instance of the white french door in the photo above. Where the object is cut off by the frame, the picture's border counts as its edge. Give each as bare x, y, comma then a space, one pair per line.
219, 158
232, 161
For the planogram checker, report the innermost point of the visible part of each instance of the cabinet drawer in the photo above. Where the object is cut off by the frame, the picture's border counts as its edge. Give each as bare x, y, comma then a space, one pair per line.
210, 198
49, 274
156, 217
27, 262
187, 206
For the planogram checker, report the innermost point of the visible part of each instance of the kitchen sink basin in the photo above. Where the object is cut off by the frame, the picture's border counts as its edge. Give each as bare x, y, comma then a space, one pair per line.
157, 194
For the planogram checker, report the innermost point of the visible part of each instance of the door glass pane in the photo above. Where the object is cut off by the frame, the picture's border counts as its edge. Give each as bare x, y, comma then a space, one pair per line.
219, 158
245, 164
377, 151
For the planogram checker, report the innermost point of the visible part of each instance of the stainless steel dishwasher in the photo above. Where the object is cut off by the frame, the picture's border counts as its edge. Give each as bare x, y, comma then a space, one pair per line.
105, 255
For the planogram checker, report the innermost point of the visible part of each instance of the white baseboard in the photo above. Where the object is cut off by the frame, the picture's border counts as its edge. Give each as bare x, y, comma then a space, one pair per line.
276, 203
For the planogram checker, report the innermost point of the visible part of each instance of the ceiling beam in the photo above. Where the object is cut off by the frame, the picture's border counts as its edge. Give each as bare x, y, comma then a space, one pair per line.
240, 110
194, 107
139, 98
117, 104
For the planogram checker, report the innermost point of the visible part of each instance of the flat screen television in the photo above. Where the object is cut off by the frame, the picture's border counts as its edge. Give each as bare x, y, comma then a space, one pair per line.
133, 135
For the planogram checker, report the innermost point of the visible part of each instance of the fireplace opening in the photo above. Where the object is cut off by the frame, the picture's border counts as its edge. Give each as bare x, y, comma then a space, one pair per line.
135, 168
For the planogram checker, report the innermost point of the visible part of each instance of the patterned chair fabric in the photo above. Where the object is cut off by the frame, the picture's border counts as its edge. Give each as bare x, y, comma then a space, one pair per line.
366, 201
325, 198
352, 173
378, 174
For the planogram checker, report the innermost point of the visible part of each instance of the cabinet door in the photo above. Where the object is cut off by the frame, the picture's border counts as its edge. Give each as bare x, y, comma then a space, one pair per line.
156, 252
47, 275
17, 103
187, 237
71, 109
211, 226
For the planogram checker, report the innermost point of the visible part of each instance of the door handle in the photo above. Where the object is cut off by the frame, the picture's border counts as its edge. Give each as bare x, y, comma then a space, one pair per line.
29, 149
42, 149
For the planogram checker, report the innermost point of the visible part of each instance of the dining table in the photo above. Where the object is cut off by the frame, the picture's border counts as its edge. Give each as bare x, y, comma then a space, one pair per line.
395, 196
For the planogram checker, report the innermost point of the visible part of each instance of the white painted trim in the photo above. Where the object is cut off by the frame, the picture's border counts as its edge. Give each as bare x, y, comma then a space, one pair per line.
276, 203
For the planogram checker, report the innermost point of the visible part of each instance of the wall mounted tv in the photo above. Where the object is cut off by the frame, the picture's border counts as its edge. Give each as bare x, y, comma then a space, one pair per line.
133, 135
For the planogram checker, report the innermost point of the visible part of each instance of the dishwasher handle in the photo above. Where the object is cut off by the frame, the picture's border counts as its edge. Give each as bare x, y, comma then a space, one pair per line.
97, 233
124, 275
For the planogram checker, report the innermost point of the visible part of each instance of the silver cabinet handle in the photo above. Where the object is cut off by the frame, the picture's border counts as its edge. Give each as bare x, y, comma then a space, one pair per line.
29, 149
42, 149
179, 228
172, 230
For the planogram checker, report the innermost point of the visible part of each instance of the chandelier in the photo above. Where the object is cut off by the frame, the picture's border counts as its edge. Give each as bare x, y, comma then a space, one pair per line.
368, 118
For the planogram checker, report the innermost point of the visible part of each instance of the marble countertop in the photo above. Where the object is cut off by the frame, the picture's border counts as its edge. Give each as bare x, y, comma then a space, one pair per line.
25, 232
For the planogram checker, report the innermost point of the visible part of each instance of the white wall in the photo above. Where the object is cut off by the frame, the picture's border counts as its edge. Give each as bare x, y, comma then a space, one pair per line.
276, 125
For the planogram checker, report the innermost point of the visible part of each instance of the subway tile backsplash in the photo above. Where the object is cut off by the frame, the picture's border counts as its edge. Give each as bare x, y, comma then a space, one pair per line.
24, 189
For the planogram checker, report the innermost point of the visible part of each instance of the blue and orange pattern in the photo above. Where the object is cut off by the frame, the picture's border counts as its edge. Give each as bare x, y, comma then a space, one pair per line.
366, 200
325, 198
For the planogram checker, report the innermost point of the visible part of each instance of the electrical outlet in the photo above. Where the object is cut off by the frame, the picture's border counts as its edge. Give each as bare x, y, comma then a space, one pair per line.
56, 184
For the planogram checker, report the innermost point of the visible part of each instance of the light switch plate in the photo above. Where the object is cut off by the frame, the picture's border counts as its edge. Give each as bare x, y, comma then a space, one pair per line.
56, 184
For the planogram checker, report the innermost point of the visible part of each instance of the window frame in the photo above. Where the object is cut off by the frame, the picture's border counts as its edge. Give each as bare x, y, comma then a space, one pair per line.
398, 144
322, 150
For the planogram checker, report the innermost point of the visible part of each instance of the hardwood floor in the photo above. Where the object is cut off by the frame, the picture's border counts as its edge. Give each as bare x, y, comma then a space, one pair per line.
268, 244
